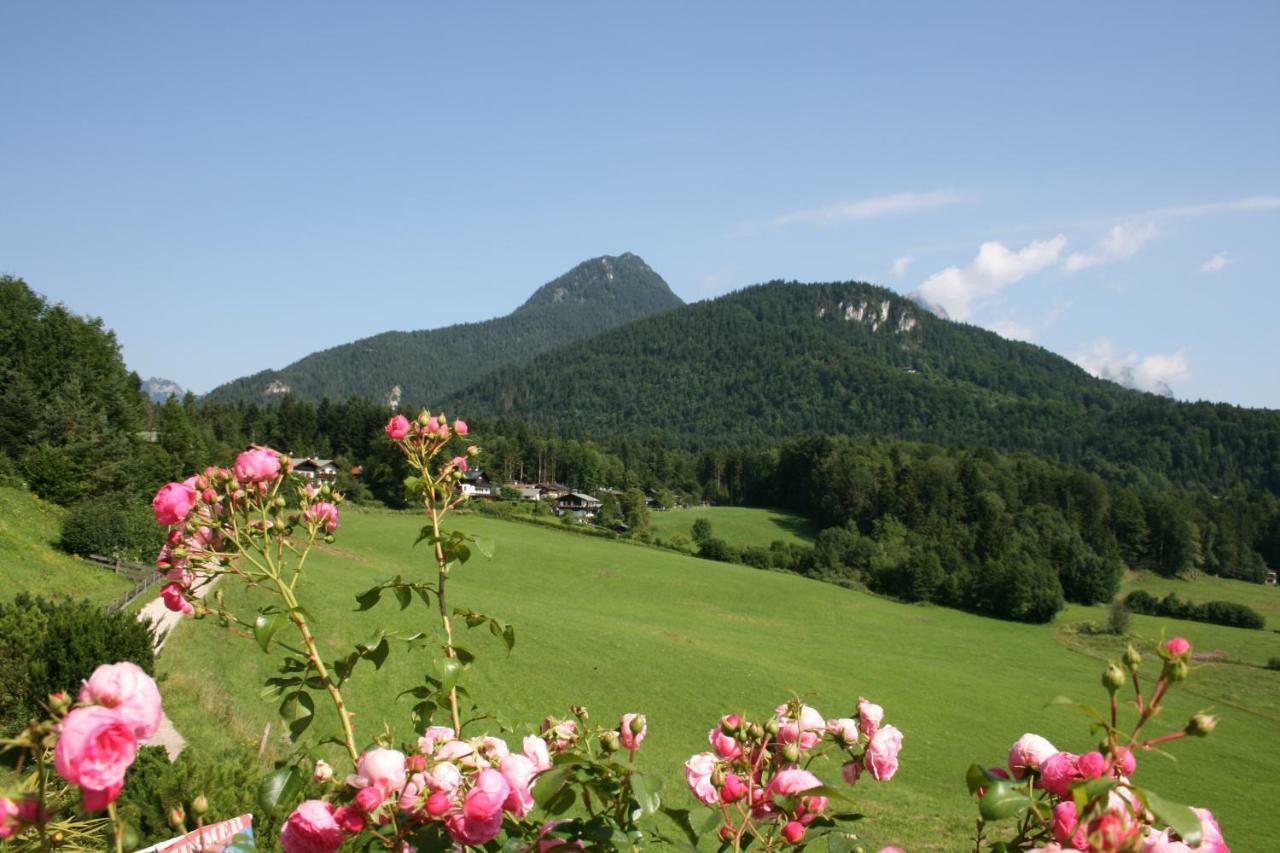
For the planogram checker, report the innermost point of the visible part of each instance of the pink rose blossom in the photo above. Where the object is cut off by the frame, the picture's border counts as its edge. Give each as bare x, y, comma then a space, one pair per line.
480, 818
323, 772
460, 462
1178, 646
173, 600
322, 514
257, 465
793, 831
890, 850
519, 773
368, 799
1028, 753
95, 801
9, 822
1211, 840
882, 753
851, 772
1125, 761
725, 746
1092, 765
697, 772
95, 748
631, 739
130, 691
843, 729
1065, 821
535, 749
397, 428
311, 829
383, 769
438, 803
562, 733
173, 503
733, 788
792, 781
350, 818
460, 427
444, 778
434, 736
870, 716
1059, 771
805, 731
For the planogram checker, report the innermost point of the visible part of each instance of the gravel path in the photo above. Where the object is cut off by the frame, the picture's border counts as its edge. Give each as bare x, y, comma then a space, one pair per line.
164, 621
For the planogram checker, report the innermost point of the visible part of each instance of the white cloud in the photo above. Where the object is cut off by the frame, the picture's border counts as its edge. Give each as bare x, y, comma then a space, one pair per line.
1253, 204
899, 268
1153, 373
1217, 263
866, 208
1122, 241
995, 267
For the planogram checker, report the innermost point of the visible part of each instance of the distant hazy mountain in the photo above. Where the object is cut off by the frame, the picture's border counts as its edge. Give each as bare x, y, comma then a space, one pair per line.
785, 359
158, 390
423, 366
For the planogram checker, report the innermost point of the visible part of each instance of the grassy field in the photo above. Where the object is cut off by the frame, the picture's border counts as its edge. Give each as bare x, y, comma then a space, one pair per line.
29, 562
1264, 599
737, 525
621, 628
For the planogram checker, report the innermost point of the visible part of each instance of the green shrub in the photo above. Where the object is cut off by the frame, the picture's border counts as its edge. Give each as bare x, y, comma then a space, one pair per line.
1118, 618
1273, 663
1226, 613
111, 528
48, 646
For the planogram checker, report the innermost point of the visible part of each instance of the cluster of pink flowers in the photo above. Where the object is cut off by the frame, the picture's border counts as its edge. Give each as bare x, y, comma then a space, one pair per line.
426, 435
756, 767
118, 706
1118, 820
202, 513
466, 786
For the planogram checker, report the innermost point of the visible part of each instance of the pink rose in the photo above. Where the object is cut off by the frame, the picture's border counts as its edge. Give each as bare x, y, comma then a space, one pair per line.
851, 772
129, 690
891, 850
173, 600
1125, 761
9, 822
256, 465
882, 753
733, 788
843, 730
535, 749
1065, 821
792, 781
1178, 646
1059, 771
460, 427
1028, 753
368, 799
323, 772
397, 428
95, 801
562, 733
1092, 765
460, 462
350, 819
438, 803
793, 831
1211, 840
519, 773
627, 731
805, 731
480, 818
311, 829
173, 503
383, 769
697, 772
322, 514
432, 737
1161, 843
95, 748
871, 716
725, 746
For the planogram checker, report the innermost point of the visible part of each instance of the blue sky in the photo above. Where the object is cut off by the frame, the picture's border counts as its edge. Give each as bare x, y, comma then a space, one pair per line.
1103, 179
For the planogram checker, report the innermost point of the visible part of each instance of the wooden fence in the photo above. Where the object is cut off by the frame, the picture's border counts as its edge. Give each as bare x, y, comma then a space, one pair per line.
143, 576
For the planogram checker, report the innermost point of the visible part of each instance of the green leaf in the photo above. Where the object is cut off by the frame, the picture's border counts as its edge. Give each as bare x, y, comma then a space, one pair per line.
649, 801
404, 595
369, 598
710, 823
448, 670
549, 784
976, 777
680, 817
265, 627
1181, 819
1002, 800
379, 653
509, 637
278, 787
484, 546
424, 533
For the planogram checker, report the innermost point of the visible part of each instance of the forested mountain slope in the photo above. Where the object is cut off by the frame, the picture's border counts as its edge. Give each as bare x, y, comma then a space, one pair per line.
424, 365
784, 359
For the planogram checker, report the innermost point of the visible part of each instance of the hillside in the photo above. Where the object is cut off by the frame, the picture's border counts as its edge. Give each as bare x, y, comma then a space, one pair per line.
784, 359
425, 365
622, 628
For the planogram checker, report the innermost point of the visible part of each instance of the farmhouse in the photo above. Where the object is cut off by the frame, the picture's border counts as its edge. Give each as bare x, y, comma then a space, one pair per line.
476, 484
322, 471
552, 491
579, 504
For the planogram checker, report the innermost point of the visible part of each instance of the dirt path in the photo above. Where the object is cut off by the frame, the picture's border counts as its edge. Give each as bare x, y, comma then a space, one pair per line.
164, 621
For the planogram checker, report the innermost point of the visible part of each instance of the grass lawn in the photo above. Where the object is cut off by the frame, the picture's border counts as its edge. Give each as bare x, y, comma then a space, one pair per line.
29, 561
620, 628
1262, 598
738, 525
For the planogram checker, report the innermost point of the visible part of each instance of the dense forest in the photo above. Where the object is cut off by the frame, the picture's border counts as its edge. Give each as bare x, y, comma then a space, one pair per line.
596, 295
784, 359
1004, 532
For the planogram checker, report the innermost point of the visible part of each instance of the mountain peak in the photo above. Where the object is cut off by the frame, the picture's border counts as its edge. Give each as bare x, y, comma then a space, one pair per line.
619, 279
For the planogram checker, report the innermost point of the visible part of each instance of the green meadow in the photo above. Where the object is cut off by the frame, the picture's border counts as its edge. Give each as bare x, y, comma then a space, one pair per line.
739, 526
619, 627
29, 562
1264, 599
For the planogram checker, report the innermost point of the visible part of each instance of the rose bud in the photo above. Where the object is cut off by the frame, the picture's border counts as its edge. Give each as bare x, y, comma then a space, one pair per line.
323, 772
177, 817
733, 788
1201, 724
772, 727
1132, 659
200, 804
793, 831
791, 753
1113, 678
